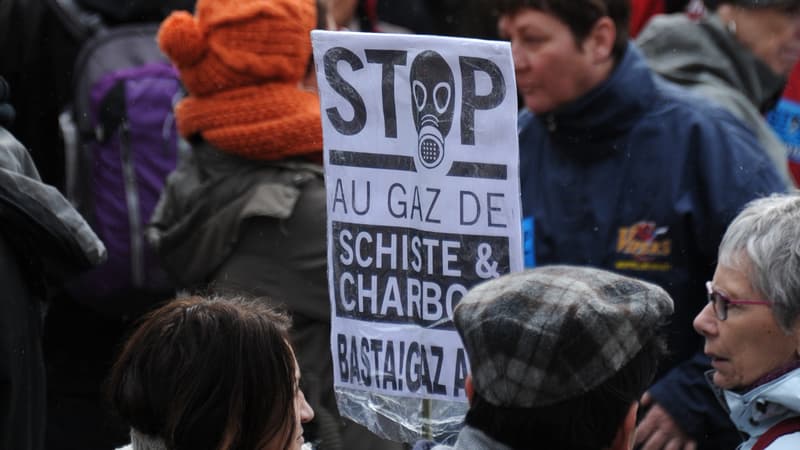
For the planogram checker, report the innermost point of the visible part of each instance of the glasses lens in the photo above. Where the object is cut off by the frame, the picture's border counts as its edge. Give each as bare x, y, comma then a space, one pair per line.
720, 305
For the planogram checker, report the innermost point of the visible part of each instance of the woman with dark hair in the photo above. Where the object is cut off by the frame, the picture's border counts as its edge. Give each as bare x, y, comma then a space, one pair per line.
211, 373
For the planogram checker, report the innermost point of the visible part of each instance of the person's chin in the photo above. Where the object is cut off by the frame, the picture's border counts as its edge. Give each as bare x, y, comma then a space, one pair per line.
722, 381
788, 59
533, 105
538, 105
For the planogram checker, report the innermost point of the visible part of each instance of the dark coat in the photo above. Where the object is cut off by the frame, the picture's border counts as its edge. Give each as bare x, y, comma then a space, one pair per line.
43, 242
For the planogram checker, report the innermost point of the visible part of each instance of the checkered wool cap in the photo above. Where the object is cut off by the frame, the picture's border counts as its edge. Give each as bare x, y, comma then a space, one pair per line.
545, 335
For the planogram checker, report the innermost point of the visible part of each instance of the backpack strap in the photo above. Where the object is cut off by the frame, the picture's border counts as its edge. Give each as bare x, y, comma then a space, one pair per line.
78, 22
788, 426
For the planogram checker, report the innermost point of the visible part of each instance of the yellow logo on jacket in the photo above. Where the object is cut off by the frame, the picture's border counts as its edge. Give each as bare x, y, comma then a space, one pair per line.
643, 246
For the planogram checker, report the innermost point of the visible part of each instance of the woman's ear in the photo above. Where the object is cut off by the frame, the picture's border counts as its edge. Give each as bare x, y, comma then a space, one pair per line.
726, 13
600, 41
796, 336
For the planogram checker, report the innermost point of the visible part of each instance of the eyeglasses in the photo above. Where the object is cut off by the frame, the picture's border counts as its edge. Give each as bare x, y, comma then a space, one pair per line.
720, 302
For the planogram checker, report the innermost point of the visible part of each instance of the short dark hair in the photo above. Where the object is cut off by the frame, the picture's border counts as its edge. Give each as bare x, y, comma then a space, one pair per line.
209, 374
587, 422
579, 15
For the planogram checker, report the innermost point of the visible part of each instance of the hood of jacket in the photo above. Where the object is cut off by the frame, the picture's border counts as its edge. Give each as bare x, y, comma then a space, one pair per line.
757, 410
207, 198
706, 52
46, 231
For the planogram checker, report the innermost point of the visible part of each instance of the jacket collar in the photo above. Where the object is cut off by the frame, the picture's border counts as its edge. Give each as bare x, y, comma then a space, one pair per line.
755, 411
607, 111
141, 441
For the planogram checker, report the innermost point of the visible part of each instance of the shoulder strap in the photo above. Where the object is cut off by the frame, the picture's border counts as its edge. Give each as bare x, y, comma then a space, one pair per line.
788, 426
78, 22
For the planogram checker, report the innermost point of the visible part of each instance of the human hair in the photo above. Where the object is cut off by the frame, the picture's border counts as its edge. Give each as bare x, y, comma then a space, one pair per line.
209, 374
579, 15
764, 242
587, 422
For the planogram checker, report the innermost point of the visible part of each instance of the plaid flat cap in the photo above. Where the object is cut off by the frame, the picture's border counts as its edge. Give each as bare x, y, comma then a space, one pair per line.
541, 336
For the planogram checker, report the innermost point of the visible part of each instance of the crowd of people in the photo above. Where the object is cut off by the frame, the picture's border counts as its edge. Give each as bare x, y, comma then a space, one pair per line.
661, 311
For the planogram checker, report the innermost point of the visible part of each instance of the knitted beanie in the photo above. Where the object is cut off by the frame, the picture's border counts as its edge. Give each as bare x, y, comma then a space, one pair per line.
241, 62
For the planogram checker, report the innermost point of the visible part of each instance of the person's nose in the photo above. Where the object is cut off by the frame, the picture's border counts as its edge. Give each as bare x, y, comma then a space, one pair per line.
518, 57
306, 412
706, 321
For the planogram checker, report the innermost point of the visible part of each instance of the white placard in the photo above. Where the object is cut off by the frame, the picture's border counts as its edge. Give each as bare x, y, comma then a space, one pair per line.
421, 166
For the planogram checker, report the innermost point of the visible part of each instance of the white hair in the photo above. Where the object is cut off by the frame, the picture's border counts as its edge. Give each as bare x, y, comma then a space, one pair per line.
764, 242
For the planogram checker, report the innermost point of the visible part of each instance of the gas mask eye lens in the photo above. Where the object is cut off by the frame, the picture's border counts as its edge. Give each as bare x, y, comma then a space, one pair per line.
441, 97
420, 94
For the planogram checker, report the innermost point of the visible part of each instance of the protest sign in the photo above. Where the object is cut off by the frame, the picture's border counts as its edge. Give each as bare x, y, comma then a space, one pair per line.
421, 168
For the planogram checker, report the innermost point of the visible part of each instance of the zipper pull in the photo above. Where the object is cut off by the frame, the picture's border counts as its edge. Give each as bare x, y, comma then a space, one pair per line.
551, 123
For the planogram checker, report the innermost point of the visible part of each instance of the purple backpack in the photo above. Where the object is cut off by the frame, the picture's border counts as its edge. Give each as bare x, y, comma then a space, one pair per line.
120, 145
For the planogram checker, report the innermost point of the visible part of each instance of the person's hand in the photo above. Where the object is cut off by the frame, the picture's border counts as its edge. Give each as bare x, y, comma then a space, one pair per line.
659, 431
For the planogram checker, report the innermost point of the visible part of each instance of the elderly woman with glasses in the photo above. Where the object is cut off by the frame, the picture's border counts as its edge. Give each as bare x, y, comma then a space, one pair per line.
751, 323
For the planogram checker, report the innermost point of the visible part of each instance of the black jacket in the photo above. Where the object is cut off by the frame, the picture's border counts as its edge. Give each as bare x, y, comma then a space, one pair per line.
43, 241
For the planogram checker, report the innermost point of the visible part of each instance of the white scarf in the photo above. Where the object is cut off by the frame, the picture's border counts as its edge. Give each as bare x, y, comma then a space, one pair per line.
140, 441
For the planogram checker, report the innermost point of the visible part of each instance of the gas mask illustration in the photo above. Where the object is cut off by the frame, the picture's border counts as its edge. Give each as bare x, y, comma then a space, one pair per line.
433, 89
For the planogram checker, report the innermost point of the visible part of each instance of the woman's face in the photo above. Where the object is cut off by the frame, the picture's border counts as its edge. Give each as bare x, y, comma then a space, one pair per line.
550, 67
302, 412
749, 343
772, 35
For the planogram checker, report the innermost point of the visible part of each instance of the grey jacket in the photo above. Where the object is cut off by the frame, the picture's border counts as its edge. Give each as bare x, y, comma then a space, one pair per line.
707, 58
67, 243
200, 219
761, 408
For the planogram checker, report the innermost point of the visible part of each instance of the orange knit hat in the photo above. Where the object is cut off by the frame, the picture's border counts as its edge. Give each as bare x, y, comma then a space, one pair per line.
242, 62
